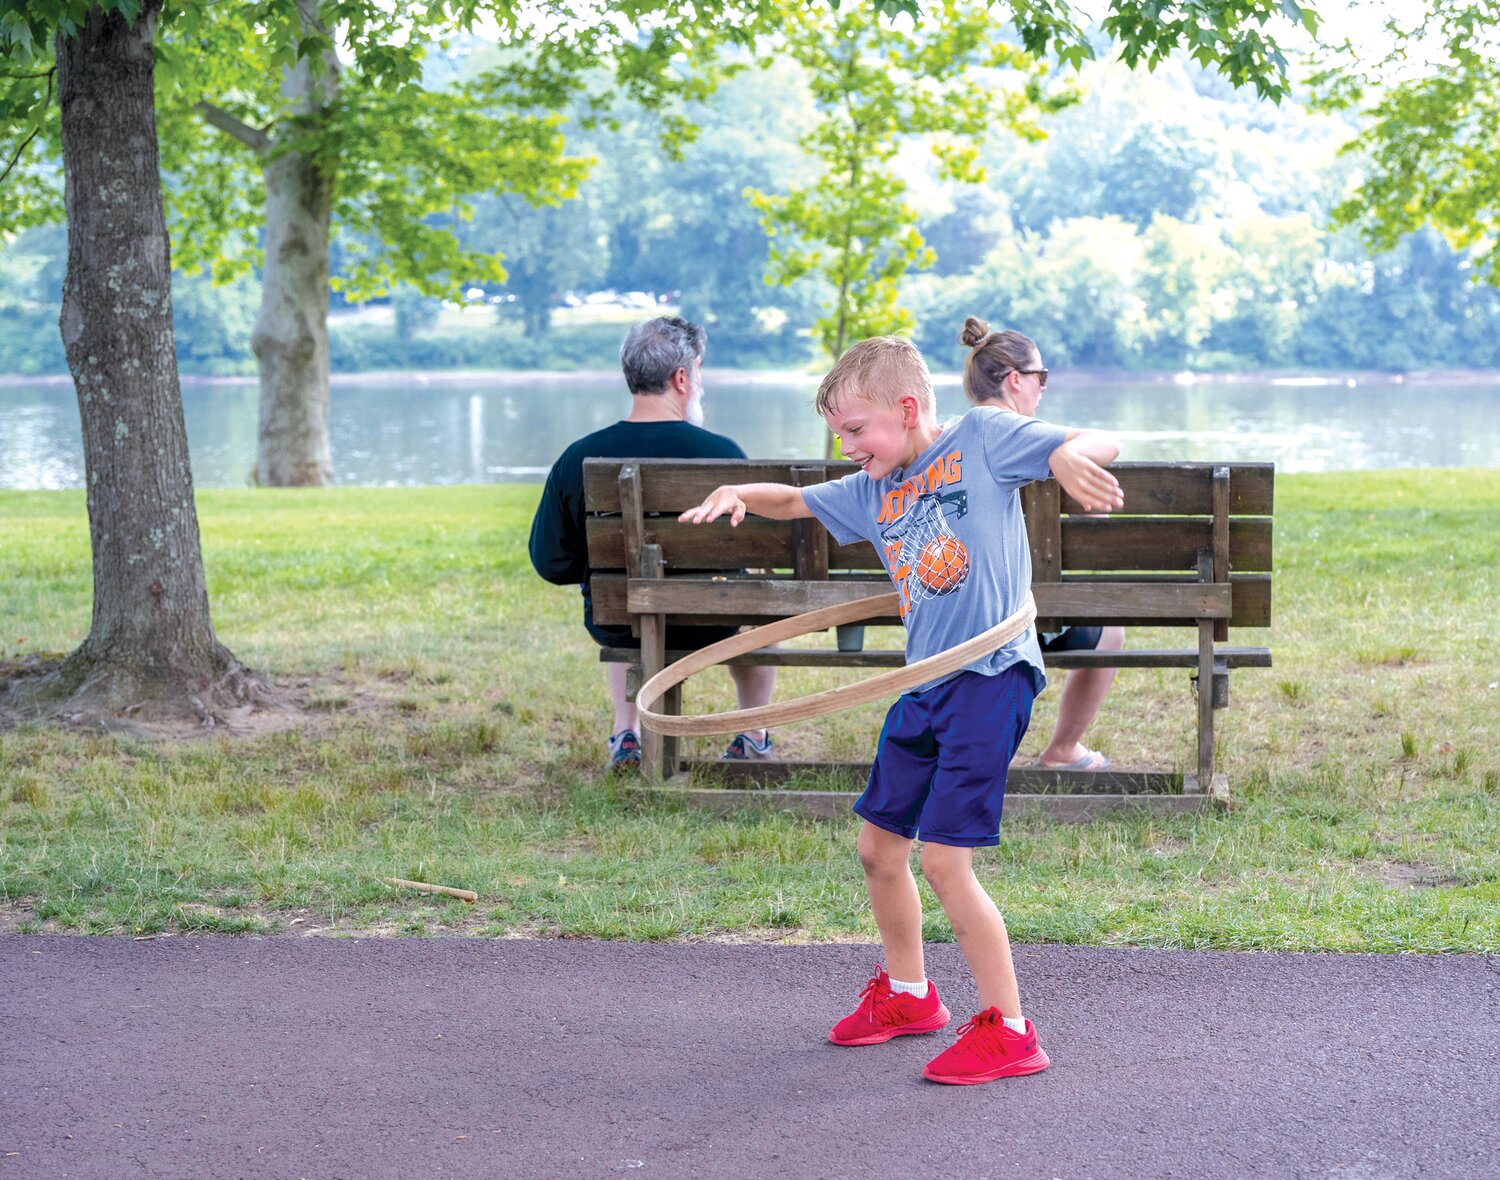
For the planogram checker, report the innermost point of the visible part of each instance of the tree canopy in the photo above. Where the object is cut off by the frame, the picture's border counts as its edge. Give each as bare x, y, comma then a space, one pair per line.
1430, 145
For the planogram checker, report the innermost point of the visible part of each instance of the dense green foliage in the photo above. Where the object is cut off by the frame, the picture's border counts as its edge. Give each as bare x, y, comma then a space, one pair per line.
875, 89
1165, 221
1431, 128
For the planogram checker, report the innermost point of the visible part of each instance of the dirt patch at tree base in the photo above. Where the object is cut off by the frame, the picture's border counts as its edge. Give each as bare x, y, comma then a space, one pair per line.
243, 706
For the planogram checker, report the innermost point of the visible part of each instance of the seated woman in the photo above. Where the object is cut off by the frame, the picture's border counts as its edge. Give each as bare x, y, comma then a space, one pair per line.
1005, 369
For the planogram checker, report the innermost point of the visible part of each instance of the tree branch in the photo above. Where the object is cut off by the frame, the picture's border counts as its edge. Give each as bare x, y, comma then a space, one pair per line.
35, 131
252, 137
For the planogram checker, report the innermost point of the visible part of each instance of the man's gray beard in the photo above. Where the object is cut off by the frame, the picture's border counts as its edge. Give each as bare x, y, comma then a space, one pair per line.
695, 411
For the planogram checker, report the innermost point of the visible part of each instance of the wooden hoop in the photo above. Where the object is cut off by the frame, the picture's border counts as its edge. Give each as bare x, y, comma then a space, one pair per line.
817, 704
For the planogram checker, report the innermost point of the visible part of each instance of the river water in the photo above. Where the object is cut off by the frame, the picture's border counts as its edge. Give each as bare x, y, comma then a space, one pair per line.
508, 427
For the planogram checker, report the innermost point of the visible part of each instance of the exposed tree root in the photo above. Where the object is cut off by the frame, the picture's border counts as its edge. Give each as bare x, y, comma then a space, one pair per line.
122, 697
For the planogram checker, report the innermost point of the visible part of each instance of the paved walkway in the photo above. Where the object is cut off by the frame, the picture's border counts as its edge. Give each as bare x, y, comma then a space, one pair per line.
288, 1057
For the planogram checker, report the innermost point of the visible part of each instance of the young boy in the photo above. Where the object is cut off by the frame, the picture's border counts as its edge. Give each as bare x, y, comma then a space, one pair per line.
941, 505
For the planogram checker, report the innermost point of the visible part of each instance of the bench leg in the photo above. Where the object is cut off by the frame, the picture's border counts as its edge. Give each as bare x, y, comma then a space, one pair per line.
671, 758
653, 660
1205, 704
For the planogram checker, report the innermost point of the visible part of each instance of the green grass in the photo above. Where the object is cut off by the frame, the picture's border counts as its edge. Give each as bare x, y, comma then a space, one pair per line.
455, 717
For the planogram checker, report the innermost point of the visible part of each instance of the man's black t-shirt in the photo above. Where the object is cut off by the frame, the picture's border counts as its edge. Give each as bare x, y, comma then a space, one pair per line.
559, 543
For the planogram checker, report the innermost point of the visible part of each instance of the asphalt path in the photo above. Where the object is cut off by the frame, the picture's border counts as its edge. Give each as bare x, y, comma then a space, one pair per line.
312, 1057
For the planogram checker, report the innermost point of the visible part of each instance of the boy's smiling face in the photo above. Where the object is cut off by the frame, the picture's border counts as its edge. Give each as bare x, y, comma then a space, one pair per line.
877, 436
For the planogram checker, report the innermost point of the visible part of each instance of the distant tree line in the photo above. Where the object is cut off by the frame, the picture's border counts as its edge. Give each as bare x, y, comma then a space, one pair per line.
1165, 221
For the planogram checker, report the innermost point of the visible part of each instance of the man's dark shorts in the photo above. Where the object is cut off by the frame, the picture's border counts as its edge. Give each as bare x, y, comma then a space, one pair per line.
678, 638
1071, 639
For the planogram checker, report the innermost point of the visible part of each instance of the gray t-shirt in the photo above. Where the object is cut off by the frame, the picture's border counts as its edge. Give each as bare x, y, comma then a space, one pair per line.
950, 531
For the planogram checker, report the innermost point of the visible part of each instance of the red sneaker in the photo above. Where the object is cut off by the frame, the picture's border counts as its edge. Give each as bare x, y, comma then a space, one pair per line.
986, 1050
883, 1014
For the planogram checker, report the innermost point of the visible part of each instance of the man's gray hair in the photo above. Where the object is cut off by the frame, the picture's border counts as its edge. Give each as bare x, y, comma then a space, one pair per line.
656, 349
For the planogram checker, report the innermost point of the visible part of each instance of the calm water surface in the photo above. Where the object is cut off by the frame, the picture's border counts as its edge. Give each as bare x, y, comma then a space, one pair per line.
489, 428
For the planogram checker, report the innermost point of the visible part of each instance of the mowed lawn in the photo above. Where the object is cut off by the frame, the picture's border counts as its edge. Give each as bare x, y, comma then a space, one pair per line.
452, 718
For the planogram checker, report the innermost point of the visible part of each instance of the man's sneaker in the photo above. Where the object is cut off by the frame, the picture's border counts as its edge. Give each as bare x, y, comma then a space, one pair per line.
625, 751
883, 1014
986, 1050
745, 748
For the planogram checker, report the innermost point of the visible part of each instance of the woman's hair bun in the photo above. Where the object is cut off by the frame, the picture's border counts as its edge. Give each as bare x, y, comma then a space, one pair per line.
974, 332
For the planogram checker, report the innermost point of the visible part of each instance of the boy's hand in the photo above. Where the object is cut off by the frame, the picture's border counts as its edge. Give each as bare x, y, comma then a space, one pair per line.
720, 501
1087, 482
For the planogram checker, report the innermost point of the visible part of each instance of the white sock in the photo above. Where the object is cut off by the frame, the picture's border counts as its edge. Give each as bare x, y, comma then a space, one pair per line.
1015, 1023
912, 989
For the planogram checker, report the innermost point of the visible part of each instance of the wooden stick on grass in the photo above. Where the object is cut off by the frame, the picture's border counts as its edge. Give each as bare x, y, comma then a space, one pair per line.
462, 894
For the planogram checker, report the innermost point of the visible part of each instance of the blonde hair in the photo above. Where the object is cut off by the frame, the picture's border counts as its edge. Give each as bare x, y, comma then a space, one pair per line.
882, 369
992, 357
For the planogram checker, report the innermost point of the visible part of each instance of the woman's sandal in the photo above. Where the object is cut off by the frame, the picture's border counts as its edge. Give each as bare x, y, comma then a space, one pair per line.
1091, 760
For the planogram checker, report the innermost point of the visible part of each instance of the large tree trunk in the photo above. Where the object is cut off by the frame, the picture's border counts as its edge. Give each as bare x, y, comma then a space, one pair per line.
291, 331
152, 643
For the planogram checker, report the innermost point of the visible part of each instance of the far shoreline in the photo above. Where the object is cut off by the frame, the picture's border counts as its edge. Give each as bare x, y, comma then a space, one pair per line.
516, 377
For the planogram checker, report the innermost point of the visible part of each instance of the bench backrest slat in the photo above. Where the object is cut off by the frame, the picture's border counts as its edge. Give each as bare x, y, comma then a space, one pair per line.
739, 596
1251, 602
1101, 543
1158, 489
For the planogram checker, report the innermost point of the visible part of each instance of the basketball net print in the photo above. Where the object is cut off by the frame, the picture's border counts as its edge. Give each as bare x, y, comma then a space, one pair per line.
925, 559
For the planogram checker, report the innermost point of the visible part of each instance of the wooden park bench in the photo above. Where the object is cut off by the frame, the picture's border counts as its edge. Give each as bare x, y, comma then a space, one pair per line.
1191, 550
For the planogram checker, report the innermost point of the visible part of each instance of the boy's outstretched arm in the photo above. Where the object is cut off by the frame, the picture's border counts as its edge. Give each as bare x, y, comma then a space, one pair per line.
1079, 467
778, 501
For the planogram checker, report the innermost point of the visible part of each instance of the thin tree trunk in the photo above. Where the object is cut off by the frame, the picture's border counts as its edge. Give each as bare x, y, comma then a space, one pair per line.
151, 641
290, 339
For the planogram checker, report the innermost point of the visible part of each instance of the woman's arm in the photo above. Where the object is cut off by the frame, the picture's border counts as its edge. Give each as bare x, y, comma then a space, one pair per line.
778, 501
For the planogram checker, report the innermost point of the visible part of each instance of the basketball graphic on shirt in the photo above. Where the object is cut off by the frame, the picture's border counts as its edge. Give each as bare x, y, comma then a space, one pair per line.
943, 565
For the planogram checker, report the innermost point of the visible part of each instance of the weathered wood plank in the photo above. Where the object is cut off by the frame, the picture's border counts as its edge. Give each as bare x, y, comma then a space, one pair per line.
1221, 540
746, 596
611, 609
676, 484
632, 519
792, 657
1205, 681
1044, 531
1024, 779
1150, 487
1251, 597
1089, 543
1169, 543
1185, 489
756, 542
808, 539
836, 805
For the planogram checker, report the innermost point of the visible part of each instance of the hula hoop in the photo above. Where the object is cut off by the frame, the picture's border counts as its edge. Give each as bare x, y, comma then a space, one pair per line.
817, 704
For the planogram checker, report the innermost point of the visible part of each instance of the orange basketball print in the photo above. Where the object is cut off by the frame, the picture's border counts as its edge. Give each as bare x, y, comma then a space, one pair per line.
943, 565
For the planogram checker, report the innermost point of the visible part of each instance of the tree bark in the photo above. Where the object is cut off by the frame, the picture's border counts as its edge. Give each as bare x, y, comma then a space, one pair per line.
151, 641
290, 339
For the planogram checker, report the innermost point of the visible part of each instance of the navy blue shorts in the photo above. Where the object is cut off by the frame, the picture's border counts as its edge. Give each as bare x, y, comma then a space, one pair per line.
939, 770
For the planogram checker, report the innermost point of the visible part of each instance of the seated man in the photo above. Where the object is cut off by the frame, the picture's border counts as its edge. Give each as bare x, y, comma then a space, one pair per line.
663, 363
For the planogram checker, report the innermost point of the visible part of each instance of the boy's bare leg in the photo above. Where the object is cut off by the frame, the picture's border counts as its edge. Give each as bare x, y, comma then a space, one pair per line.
977, 925
1083, 692
753, 686
886, 858
626, 716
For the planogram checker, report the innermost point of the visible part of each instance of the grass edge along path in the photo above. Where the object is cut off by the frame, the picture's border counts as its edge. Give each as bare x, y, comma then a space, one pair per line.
453, 719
